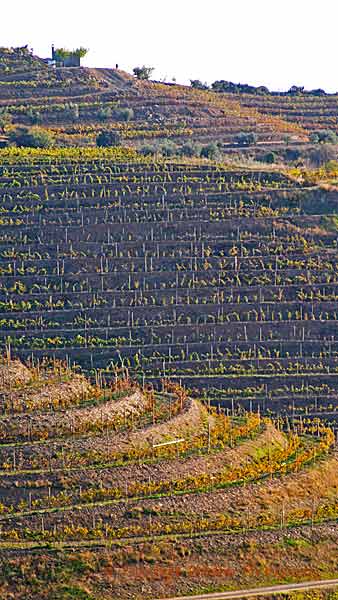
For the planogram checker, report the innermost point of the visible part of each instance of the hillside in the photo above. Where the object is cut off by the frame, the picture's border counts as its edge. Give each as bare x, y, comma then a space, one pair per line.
222, 279
78, 103
91, 469
168, 336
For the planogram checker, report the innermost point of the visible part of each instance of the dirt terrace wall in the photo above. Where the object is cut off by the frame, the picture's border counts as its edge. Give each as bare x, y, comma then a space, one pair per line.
46, 425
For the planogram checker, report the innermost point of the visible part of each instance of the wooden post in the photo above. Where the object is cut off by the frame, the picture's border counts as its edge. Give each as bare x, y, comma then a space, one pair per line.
282, 516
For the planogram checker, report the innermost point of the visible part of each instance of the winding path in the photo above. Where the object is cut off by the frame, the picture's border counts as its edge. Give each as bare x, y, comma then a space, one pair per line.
263, 591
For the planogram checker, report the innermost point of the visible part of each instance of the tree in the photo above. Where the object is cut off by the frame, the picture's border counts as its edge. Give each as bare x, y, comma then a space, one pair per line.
198, 85
321, 155
324, 136
124, 114
143, 72
80, 52
63, 53
318, 92
210, 151
190, 149
269, 157
238, 88
106, 139
296, 90
292, 154
148, 150
104, 113
32, 137
33, 116
246, 139
168, 148
71, 111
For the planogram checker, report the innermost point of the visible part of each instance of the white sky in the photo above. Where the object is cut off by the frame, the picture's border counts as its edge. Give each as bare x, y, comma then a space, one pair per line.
276, 43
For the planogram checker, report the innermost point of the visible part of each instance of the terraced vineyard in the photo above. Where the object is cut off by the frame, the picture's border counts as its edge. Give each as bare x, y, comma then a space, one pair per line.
168, 339
76, 104
83, 465
222, 280
310, 112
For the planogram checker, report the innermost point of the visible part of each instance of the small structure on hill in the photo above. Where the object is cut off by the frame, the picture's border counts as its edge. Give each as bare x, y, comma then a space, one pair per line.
61, 57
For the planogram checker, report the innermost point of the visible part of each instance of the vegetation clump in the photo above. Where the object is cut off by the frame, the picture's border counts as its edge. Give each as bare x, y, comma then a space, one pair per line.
143, 73
31, 137
105, 139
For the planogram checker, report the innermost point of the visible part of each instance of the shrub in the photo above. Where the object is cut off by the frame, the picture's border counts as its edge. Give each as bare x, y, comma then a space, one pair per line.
318, 92
190, 149
269, 157
295, 90
246, 139
143, 72
34, 116
168, 148
108, 138
34, 137
104, 113
292, 154
324, 136
81, 52
148, 150
72, 111
198, 85
124, 114
320, 156
210, 151
238, 88
62, 54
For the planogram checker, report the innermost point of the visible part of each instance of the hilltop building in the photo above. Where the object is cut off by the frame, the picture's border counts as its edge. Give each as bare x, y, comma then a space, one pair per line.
72, 59
66, 59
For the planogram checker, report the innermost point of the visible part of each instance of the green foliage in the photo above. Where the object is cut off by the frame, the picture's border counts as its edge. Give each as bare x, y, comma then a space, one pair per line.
210, 151
148, 150
324, 136
124, 114
190, 149
238, 88
71, 592
246, 139
330, 222
108, 138
322, 154
72, 111
292, 154
64, 53
168, 148
296, 542
296, 90
269, 158
81, 52
34, 116
143, 72
34, 137
198, 85
104, 113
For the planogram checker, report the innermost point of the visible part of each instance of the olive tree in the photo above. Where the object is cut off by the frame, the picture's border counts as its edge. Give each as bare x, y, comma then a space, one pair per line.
143, 72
